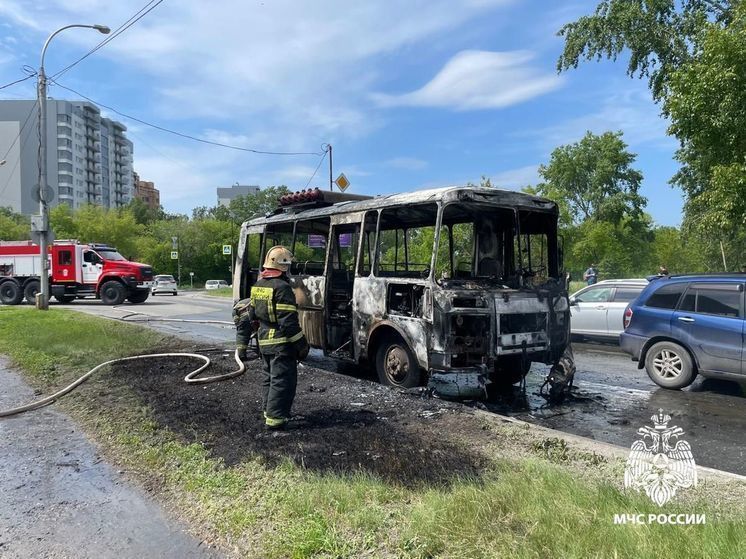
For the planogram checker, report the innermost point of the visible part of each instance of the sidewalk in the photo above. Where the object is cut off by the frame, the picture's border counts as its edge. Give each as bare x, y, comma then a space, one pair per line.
61, 500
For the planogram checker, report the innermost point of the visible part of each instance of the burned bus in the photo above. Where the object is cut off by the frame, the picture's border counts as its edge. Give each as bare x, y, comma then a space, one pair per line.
452, 288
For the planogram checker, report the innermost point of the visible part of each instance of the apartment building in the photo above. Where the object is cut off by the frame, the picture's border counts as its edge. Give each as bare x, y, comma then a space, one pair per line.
89, 158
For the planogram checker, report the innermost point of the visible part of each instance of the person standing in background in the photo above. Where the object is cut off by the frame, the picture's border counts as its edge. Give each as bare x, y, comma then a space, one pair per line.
591, 275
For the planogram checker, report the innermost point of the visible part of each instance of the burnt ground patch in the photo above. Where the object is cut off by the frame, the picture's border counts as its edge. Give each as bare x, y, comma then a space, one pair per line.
341, 424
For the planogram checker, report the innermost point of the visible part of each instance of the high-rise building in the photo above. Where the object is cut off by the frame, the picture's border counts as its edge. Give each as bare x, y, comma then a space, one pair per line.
89, 158
147, 192
225, 195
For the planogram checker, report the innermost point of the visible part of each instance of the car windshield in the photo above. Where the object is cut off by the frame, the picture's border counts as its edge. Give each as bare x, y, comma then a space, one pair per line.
110, 255
164, 278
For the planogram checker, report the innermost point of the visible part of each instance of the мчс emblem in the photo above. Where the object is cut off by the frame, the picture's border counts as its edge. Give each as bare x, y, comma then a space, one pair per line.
658, 466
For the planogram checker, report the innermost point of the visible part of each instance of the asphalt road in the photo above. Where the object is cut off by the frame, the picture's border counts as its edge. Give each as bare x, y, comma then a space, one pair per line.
611, 400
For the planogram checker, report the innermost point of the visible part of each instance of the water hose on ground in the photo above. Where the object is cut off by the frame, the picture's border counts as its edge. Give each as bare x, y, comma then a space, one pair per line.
190, 378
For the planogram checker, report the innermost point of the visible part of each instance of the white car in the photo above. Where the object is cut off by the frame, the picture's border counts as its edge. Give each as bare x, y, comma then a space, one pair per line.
598, 310
164, 284
216, 284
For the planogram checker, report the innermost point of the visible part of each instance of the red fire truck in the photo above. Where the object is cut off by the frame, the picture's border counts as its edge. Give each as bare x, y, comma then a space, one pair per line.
77, 270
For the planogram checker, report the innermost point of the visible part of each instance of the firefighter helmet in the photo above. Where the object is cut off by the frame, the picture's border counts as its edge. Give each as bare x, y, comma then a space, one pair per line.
278, 258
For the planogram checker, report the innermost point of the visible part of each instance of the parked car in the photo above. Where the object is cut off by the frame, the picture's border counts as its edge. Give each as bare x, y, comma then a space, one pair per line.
681, 326
216, 284
164, 284
598, 310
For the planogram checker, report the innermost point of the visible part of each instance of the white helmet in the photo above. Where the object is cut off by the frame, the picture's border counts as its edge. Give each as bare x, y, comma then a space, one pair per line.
278, 258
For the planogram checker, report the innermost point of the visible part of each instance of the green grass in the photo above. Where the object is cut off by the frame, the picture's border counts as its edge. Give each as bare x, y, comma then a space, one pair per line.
551, 502
221, 292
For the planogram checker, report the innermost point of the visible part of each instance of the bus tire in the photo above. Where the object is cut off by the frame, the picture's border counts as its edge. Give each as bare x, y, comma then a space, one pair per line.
396, 365
510, 370
11, 292
113, 293
30, 290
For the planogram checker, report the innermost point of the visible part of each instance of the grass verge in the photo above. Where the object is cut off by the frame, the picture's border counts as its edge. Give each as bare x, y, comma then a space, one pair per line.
221, 292
524, 507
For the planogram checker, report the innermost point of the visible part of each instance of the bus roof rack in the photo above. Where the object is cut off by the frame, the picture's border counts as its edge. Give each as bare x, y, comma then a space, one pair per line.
316, 198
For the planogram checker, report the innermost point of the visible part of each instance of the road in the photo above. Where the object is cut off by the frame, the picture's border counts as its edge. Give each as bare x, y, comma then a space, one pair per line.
611, 400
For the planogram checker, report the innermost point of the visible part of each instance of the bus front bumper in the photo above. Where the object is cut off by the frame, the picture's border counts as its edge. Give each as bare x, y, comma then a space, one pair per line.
460, 383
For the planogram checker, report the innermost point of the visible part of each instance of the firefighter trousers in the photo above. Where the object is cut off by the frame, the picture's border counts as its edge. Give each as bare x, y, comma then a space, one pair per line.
279, 380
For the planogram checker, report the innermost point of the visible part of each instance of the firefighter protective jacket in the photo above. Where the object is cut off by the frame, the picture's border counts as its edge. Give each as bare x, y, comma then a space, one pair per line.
272, 303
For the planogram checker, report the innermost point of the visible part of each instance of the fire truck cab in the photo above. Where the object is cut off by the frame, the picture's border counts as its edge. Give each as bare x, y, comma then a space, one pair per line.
77, 270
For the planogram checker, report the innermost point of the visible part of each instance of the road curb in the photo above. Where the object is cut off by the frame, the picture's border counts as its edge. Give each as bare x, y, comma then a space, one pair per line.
618, 451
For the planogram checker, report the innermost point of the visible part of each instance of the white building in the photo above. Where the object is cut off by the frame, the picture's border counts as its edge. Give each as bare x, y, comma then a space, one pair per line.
89, 158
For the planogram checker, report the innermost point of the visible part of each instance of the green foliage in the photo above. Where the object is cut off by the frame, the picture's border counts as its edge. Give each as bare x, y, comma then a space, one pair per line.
94, 224
594, 179
13, 226
658, 35
694, 54
243, 208
706, 107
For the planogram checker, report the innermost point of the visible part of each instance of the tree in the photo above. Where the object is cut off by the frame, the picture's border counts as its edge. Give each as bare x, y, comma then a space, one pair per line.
706, 101
659, 35
255, 205
143, 213
95, 224
13, 226
594, 178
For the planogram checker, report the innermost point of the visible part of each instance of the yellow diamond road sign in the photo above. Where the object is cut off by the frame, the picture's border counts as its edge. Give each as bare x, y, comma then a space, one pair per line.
342, 182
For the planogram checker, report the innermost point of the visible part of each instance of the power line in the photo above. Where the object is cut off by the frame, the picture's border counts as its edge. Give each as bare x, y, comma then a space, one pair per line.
20, 155
182, 134
25, 122
317, 168
141, 13
17, 81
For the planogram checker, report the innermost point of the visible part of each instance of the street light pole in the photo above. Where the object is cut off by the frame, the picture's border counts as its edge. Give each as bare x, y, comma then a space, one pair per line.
43, 299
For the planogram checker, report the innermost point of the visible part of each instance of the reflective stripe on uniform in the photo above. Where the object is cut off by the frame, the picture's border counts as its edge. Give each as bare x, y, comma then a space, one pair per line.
271, 340
286, 307
274, 422
265, 294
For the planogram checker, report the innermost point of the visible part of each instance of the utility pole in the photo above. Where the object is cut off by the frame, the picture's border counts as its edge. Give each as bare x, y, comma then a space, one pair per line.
331, 178
42, 301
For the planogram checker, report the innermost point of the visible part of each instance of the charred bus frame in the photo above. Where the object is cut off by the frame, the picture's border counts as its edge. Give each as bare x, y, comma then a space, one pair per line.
485, 300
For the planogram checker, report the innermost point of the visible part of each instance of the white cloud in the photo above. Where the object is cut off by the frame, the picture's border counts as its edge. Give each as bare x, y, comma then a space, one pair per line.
513, 179
406, 163
475, 79
629, 109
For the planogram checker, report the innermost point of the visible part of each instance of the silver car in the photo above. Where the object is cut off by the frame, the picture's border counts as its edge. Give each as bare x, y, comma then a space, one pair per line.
164, 284
598, 310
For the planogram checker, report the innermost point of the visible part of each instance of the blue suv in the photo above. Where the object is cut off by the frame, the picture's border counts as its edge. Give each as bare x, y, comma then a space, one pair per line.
680, 326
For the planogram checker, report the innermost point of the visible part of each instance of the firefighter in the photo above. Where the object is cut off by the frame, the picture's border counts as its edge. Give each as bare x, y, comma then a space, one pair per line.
281, 341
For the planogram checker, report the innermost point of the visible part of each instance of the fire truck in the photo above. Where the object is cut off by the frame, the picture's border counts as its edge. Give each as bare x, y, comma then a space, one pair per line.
77, 270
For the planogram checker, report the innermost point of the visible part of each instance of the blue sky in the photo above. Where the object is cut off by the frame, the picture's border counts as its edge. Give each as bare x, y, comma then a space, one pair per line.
411, 94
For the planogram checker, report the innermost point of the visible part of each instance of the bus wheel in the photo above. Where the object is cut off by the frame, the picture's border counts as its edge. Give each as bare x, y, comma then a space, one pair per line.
396, 365
510, 370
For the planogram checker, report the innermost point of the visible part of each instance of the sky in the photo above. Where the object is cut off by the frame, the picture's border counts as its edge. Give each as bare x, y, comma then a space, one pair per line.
411, 94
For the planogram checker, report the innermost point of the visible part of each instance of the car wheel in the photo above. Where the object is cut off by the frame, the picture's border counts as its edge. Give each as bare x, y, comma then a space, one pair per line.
396, 364
669, 365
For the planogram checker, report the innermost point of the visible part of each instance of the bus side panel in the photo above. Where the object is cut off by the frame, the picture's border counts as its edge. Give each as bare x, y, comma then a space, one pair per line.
369, 307
309, 294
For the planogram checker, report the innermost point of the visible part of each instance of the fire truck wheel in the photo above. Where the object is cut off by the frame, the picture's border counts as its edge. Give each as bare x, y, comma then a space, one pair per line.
139, 296
113, 293
10, 293
396, 364
30, 291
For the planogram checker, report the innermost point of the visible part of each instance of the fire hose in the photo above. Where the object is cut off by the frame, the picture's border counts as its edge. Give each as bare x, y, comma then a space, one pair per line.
190, 378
